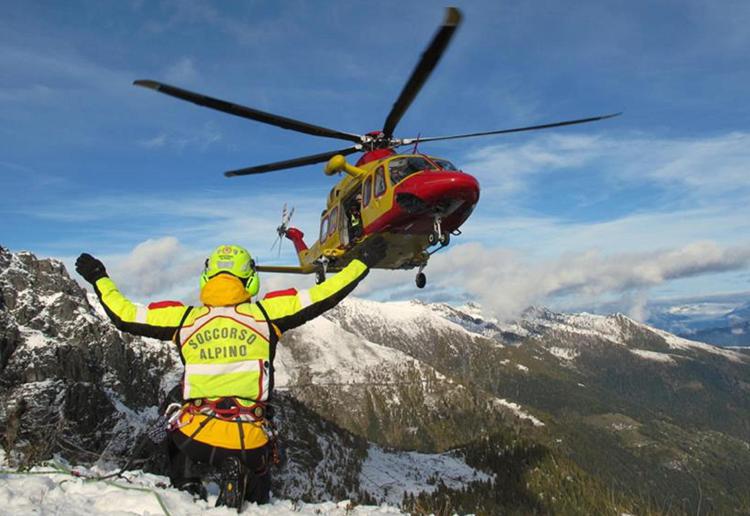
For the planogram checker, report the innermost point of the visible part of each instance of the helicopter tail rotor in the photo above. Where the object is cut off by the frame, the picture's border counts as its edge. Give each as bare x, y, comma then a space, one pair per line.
281, 229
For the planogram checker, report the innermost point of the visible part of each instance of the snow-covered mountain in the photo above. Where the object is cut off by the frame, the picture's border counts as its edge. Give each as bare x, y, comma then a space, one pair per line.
379, 402
75, 385
721, 320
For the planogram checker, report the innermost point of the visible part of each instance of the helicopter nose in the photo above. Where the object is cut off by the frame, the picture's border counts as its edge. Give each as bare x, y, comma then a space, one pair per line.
432, 188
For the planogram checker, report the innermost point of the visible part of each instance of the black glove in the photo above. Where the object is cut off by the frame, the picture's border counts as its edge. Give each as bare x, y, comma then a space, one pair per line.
90, 268
373, 250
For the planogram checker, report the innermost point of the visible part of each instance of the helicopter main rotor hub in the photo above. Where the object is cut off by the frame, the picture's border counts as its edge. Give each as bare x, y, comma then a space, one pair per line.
377, 140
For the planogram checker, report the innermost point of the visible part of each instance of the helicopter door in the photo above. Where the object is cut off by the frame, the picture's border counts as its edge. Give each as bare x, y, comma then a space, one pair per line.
344, 225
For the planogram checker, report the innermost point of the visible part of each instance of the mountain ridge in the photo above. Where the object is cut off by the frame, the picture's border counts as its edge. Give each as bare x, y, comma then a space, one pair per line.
632, 414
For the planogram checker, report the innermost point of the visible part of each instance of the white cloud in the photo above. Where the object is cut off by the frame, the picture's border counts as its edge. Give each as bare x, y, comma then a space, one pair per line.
506, 282
181, 72
704, 166
198, 139
157, 269
164, 268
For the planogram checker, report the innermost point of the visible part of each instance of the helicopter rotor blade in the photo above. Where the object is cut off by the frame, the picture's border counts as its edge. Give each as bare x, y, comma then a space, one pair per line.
409, 141
275, 241
247, 112
292, 163
424, 68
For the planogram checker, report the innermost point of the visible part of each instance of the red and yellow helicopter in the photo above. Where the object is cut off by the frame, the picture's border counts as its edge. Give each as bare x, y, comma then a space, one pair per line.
415, 201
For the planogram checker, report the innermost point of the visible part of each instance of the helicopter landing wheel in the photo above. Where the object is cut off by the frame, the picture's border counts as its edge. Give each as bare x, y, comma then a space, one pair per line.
320, 276
434, 238
421, 280
445, 239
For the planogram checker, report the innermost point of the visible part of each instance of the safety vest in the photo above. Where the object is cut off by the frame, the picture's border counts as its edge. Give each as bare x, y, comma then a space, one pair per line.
226, 353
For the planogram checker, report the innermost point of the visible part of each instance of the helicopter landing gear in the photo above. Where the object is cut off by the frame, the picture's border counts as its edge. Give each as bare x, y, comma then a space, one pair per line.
438, 236
421, 279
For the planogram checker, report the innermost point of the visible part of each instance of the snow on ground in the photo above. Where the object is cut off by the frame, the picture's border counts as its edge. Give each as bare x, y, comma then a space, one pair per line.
653, 355
599, 326
333, 354
397, 473
518, 411
35, 339
409, 317
93, 300
477, 321
675, 342
564, 353
44, 491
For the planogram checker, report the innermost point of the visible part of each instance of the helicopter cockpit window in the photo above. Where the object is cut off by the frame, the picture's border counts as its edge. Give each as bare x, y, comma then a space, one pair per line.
333, 219
379, 181
323, 228
445, 164
401, 168
366, 191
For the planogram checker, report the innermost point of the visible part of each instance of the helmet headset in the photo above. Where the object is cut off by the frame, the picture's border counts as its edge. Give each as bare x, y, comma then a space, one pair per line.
234, 260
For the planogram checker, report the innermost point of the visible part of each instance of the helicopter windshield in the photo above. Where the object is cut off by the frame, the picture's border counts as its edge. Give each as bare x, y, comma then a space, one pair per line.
445, 164
401, 168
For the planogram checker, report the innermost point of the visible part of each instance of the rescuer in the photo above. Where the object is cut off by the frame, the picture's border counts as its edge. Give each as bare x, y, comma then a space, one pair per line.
228, 345
355, 219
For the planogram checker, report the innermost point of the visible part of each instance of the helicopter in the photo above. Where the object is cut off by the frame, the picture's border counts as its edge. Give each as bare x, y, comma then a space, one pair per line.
414, 201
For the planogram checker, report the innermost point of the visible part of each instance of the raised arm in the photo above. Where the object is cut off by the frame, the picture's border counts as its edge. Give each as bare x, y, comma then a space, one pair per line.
296, 308
157, 323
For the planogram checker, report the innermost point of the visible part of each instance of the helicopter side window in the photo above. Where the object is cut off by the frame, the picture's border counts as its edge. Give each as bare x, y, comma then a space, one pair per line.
445, 164
333, 219
379, 181
366, 191
401, 168
323, 228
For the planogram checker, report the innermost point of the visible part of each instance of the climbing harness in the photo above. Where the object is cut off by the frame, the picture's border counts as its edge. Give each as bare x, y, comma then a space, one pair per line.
227, 409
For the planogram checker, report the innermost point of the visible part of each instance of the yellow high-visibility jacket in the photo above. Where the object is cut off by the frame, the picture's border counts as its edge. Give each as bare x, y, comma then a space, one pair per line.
228, 344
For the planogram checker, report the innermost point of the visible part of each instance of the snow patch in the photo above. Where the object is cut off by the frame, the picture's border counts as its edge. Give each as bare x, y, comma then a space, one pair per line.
47, 491
653, 355
564, 353
602, 327
332, 354
518, 411
675, 342
35, 339
397, 473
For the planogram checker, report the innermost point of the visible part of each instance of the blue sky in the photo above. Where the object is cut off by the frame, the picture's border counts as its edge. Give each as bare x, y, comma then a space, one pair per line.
649, 205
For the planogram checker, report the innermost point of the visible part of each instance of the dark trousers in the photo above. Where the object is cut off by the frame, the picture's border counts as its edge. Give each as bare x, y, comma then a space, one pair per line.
183, 451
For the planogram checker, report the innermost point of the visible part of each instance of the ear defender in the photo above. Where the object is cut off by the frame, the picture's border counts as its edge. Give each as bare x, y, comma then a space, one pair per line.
253, 282
204, 279
204, 274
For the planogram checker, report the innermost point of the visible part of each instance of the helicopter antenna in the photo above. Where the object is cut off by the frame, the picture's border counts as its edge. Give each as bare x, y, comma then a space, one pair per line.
416, 143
